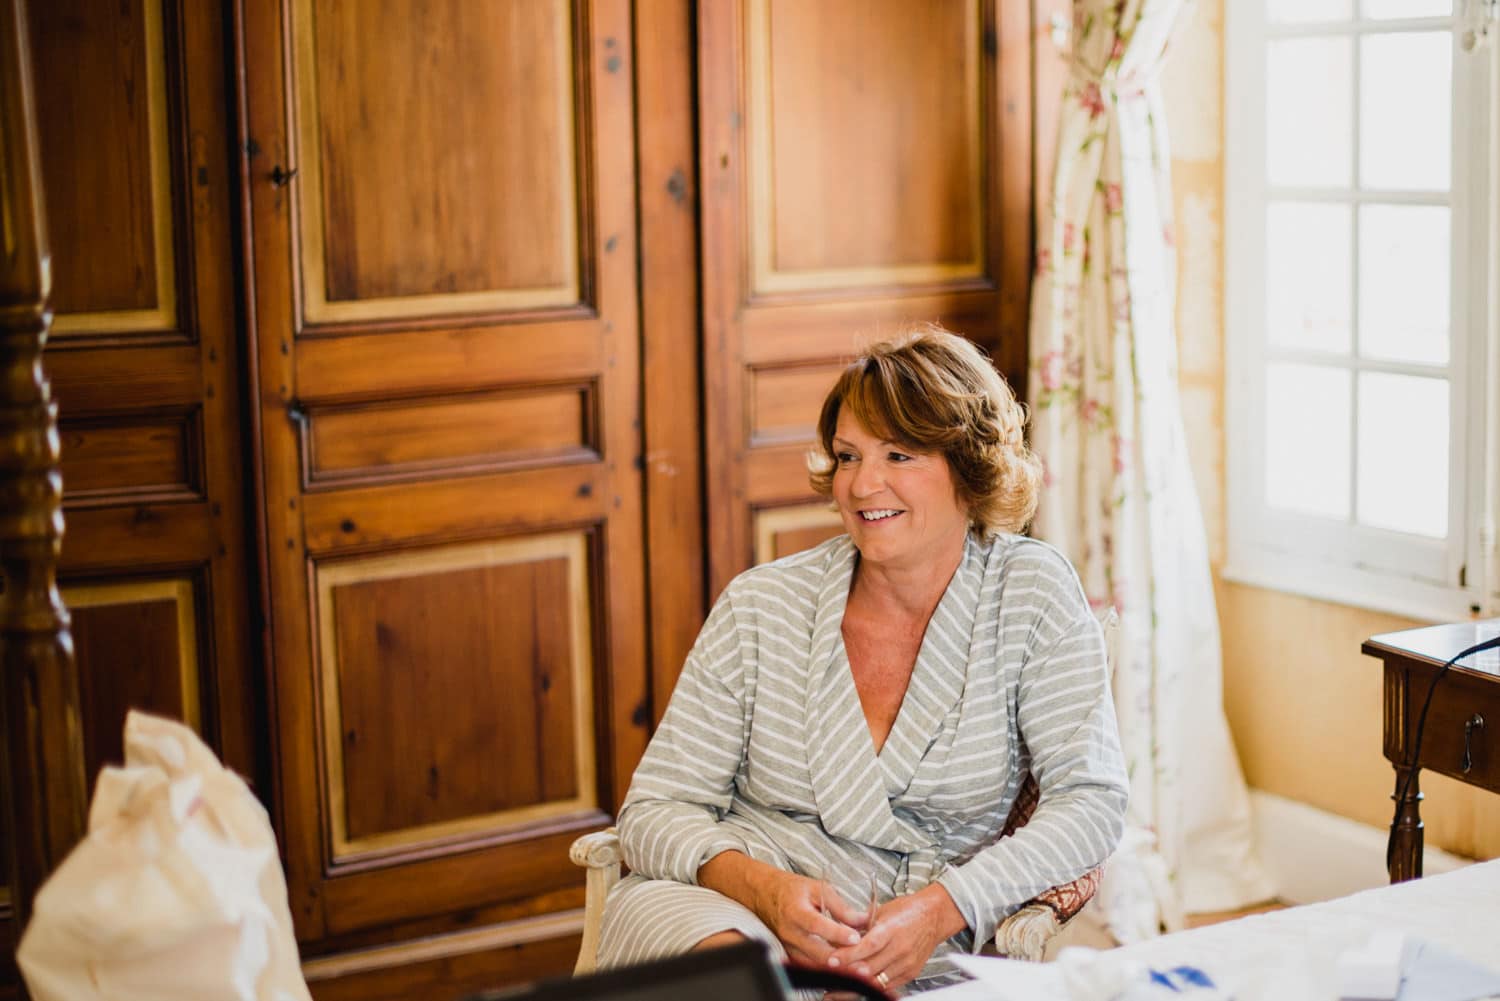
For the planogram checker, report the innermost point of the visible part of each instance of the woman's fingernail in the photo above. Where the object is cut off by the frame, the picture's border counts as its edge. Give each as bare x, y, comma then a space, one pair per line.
853, 938
833, 960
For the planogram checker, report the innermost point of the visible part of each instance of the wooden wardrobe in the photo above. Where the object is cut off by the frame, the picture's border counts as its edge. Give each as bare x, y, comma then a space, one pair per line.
425, 367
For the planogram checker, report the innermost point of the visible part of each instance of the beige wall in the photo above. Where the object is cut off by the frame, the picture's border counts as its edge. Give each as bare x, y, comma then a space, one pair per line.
1303, 703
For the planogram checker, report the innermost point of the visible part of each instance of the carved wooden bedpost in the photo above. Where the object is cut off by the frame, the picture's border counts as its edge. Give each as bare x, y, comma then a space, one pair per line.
45, 786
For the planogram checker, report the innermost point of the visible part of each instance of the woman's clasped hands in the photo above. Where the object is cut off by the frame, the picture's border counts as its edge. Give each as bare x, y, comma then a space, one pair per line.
887, 944
893, 949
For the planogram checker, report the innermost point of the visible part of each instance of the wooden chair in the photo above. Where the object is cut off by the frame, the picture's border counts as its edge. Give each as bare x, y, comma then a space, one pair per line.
1022, 935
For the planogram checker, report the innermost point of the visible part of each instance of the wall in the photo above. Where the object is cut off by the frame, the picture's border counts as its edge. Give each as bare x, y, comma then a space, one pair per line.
1303, 703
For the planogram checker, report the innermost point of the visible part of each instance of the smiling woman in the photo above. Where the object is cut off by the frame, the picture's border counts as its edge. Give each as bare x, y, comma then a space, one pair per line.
881, 699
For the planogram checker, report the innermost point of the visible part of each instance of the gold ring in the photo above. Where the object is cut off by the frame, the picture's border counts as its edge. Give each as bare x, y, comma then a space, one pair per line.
882, 979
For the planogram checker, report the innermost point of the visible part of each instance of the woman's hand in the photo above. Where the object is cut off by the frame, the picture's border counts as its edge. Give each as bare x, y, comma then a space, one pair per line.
786, 902
789, 905
905, 932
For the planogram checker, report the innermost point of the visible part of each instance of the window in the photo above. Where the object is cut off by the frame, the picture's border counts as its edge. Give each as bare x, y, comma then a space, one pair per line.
1361, 224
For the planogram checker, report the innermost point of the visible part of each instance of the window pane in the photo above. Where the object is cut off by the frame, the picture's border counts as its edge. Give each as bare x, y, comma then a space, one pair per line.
1384, 9
1403, 283
1403, 453
1307, 276
1292, 11
1307, 439
1308, 137
1405, 110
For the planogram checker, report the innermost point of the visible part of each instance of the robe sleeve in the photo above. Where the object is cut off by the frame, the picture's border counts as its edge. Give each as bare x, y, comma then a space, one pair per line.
684, 784
1067, 720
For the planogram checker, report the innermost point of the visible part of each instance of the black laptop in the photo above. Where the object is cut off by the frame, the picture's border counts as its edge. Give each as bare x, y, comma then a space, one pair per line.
742, 972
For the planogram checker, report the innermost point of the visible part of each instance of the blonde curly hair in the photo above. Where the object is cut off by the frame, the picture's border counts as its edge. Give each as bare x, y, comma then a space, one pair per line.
933, 391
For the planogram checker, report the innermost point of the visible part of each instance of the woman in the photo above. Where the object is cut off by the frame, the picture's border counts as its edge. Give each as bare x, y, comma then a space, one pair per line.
881, 697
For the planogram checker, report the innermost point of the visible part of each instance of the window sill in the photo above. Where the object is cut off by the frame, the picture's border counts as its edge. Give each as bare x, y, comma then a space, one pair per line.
1376, 591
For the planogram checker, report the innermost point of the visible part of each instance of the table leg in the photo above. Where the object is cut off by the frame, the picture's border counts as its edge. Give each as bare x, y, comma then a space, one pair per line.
1406, 859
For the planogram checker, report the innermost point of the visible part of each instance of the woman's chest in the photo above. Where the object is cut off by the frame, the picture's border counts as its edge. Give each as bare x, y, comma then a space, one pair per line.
950, 755
881, 661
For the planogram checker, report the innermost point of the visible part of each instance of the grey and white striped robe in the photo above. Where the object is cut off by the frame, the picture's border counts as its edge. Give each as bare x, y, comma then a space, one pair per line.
764, 749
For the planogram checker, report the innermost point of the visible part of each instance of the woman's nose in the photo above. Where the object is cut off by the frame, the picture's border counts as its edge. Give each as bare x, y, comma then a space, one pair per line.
867, 480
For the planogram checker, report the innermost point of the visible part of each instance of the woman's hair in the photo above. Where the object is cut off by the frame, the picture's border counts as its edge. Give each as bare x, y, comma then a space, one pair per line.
935, 392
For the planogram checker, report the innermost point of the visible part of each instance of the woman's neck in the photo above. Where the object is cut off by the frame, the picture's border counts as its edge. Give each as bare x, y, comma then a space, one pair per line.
910, 591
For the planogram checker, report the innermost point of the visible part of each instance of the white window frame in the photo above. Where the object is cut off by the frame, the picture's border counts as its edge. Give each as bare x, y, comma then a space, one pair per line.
1436, 580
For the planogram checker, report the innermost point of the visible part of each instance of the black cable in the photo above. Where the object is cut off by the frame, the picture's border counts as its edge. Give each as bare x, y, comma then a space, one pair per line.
1416, 751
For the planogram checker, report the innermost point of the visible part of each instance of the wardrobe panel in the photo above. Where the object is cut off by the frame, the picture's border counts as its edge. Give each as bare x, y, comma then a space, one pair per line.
865, 141
136, 646
457, 691
105, 125
438, 163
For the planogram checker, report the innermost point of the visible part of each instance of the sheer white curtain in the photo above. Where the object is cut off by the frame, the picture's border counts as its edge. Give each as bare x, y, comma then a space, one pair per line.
1118, 496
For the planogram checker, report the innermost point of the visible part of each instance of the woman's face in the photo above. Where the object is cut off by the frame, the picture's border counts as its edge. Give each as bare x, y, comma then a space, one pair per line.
900, 507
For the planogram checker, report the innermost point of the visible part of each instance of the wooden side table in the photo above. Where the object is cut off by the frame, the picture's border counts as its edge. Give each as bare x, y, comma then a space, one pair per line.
1462, 738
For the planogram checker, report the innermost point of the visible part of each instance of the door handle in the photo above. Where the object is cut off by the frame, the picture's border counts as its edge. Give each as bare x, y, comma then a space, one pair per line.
1475, 722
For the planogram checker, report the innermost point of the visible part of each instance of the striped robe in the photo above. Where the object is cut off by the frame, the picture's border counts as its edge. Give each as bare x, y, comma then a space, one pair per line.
764, 749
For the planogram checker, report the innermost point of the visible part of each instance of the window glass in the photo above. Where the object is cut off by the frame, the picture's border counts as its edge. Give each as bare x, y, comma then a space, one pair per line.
1405, 111
1303, 11
1307, 439
1403, 283
1307, 277
1403, 453
1308, 128
1388, 9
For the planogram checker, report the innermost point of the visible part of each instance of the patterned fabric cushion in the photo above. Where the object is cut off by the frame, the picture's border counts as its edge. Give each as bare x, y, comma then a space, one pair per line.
1024, 806
1068, 899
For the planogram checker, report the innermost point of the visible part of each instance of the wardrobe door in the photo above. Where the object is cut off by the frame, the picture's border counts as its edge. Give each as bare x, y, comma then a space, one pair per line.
133, 117
865, 164
442, 226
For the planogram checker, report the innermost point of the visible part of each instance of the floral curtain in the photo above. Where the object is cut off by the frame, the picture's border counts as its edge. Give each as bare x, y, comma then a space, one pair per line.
1118, 494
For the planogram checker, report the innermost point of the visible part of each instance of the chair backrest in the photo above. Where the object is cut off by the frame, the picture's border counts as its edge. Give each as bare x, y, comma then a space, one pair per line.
1109, 621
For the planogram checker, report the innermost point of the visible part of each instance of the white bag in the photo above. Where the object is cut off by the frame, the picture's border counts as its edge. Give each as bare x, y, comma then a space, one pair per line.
175, 893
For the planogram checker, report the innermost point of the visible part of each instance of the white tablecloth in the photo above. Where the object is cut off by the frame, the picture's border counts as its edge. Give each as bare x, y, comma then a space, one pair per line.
1289, 955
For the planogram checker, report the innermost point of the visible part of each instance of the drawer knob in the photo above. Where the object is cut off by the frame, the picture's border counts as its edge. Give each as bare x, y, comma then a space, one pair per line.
1475, 722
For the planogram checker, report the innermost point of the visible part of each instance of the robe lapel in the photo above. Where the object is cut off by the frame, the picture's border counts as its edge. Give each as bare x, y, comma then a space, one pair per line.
847, 780
937, 681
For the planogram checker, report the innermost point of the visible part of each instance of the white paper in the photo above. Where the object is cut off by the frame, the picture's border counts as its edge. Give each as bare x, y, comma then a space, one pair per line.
1432, 973
1014, 979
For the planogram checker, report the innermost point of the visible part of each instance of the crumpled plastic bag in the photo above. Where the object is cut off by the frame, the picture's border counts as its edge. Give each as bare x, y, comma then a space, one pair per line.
176, 892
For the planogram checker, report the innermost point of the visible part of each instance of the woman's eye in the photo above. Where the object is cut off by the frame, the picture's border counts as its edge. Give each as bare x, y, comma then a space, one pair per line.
900, 457
843, 457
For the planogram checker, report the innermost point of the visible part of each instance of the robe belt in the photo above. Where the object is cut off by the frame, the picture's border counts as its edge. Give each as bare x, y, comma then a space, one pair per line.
916, 870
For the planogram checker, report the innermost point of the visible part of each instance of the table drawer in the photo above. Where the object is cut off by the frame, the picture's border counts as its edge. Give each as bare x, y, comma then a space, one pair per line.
1453, 728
